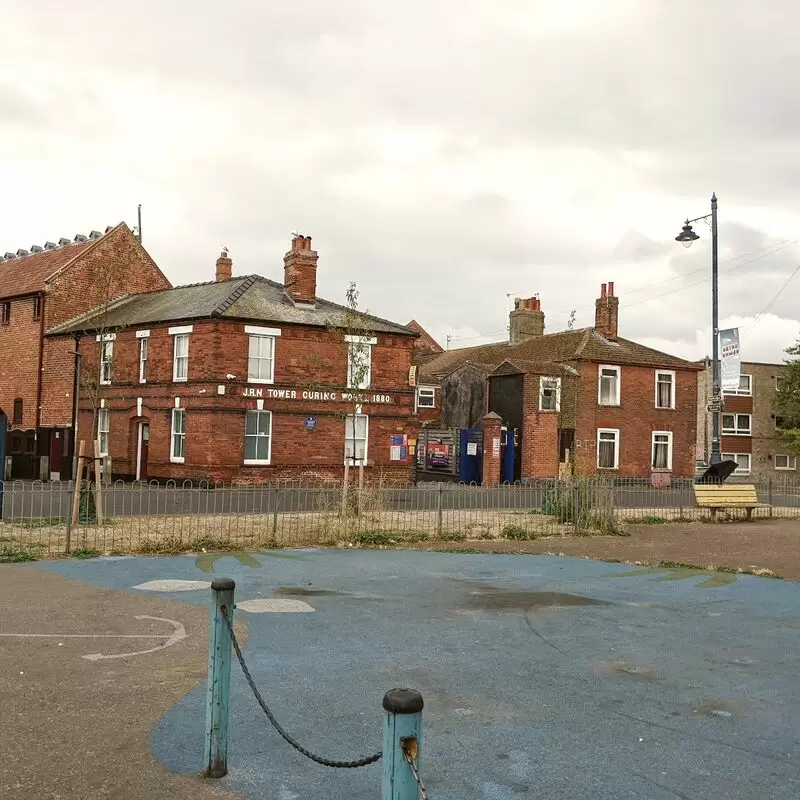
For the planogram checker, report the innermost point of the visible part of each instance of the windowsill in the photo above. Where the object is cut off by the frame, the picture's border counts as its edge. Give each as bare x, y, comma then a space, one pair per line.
608, 469
105, 383
262, 381
256, 462
609, 405
425, 408
142, 380
176, 460
661, 470
732, 433
665, 408
180, 380
786, 469
548, 411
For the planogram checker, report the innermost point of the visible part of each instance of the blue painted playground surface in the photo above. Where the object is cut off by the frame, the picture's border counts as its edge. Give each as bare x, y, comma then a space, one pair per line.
543, 677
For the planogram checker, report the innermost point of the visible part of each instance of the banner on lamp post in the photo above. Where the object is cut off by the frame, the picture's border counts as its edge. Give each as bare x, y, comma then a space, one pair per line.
731, 362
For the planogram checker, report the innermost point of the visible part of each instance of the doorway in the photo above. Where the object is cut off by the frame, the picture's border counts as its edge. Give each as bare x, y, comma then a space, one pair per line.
56, 451
143, 442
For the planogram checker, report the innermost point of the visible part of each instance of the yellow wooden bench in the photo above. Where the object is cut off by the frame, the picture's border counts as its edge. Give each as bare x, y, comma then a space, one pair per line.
732, 495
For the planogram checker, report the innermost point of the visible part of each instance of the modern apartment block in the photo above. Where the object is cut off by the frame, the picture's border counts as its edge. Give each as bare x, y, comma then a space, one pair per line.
748, 424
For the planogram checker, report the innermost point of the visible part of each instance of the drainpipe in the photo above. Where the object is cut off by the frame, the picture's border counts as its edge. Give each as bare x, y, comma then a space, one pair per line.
76, 385
39, 377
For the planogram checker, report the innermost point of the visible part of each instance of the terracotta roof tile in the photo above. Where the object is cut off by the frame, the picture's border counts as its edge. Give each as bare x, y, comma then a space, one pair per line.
580, 344
27, 274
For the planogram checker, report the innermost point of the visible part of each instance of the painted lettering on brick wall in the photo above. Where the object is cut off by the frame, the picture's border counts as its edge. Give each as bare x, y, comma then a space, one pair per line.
309, 394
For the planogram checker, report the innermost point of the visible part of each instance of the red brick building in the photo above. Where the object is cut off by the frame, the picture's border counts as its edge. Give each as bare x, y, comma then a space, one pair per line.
39, 289
429, 398
247, 379
587, 399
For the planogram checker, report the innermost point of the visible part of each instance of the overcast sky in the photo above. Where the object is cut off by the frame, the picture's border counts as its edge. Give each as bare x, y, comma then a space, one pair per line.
443, 154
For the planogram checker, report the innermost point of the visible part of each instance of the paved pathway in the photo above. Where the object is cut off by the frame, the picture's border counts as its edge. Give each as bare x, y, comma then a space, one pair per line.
75, 729
543, 677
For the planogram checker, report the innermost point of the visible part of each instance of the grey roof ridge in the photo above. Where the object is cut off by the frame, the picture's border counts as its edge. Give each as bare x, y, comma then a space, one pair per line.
243, 287
406, 330
92, 312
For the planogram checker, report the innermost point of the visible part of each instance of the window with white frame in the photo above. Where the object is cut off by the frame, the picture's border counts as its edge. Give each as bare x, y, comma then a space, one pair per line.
257, 437
742, 462
607, 448
355, 438
178, 436
785, 462
736, 424
426, 397
143, 359
665, 388
106, 361
608, 389
359, 361
662, 450
779, 379
103, 429
180, 357
261, 354
549, 394
745, 386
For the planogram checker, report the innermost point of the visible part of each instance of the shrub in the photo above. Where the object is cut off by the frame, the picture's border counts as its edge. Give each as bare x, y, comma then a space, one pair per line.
514, 531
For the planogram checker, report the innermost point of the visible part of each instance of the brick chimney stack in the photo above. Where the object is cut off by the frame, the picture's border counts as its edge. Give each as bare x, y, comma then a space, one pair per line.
300, 271
526, 320
224, 267
606, 312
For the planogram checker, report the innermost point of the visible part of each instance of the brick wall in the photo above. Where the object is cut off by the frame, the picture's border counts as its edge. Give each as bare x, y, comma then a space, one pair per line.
19, 361
115, 266
764, 444
539, 434
636, 418
306, 360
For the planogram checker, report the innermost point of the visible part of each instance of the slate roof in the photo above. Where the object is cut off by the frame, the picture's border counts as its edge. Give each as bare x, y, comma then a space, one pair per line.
581, 344
28, 272
250, 297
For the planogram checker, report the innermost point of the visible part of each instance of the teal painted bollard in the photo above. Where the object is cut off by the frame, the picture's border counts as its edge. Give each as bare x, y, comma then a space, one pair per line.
219, 678
402, 732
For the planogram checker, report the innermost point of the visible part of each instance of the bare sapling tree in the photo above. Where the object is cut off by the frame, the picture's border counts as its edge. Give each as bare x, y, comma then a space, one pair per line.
357, 338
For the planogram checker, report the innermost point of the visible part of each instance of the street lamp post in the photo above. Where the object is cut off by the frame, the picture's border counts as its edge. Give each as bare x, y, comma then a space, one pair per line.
686, 237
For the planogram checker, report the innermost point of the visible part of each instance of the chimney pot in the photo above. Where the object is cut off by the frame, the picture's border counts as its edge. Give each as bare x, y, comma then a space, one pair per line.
526, 321
606, 312
300, 270
224, 267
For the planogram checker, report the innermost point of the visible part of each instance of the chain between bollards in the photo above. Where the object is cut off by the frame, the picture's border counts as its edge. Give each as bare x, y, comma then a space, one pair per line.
402, 719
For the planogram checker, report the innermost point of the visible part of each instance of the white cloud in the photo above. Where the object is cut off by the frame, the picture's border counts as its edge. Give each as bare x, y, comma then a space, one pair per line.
441, 154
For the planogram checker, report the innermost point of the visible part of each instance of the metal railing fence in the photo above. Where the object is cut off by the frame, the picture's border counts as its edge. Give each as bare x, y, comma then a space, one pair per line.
173, 518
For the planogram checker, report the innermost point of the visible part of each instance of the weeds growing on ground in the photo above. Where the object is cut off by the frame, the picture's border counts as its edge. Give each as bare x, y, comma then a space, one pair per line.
84, 553
16, 555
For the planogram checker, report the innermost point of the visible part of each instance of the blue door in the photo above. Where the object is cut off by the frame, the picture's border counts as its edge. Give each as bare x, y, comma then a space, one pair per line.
507, 454
470, 455
3, 437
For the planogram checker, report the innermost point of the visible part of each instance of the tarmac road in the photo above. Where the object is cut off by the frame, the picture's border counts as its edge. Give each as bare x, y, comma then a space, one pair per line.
27, 500
74, 729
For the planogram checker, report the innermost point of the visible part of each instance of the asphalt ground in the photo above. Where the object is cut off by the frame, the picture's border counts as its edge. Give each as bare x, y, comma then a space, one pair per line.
543, 677
75, 728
